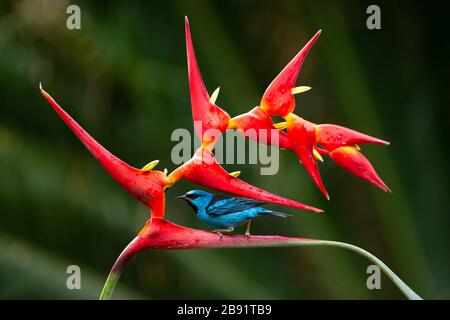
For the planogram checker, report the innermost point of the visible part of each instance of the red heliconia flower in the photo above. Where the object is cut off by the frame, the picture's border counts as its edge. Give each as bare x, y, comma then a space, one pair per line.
203, 169
278, 99
249, 125
307, 139
204, 110
145, 185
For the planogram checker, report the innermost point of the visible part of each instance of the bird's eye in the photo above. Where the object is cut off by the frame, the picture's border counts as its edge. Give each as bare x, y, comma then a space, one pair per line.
193, 196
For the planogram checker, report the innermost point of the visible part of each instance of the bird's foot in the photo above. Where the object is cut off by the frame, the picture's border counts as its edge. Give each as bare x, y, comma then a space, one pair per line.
247, 231
219, 232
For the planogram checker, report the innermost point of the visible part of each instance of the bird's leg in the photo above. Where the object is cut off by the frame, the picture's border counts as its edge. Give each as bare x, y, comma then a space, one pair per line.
247, 231
219, 231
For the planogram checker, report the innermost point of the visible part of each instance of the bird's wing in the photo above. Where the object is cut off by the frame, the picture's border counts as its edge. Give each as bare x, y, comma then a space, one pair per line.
221, 205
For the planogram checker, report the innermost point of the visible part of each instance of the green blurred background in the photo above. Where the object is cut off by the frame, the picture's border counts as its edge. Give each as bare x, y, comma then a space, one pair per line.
123, 76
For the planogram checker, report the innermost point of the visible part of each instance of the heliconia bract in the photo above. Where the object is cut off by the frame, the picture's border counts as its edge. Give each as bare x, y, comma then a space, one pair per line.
147, 186
204, 112
278, 99
203, 169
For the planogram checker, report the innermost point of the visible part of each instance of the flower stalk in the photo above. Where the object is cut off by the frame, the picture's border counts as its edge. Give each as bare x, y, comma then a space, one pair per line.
162, 234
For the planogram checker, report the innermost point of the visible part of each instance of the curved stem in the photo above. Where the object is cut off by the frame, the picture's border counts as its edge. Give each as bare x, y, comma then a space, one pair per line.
115, 273
399, 283
136, 245
109, 286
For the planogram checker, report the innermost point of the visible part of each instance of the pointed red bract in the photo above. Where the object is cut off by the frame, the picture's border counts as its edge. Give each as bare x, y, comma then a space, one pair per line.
145, 186
209, 115
162, 234
203, 169
258, 125
278, 98
355, 162
159, 233
302, 137
331, 136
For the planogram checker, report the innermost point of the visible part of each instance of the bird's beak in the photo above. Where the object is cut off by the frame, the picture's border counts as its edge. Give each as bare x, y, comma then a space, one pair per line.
183, 197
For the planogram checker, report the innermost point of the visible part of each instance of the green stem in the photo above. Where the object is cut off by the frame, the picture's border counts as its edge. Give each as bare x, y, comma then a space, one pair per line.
114, 275
109, 286
402, 286
135, 246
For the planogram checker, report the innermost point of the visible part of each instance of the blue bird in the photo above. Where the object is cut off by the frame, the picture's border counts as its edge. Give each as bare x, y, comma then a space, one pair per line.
225, 212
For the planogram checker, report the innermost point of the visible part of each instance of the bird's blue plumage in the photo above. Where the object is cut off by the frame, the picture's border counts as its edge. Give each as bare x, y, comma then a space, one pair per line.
222, 211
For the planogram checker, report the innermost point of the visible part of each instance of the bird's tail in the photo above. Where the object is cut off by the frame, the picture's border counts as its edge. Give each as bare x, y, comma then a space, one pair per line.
276, 214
